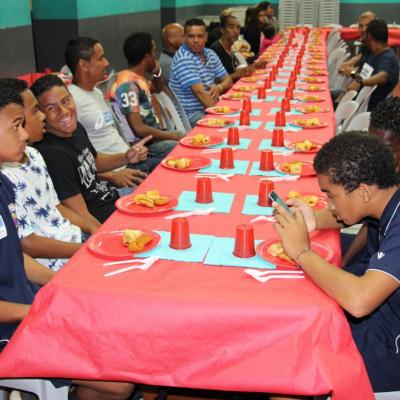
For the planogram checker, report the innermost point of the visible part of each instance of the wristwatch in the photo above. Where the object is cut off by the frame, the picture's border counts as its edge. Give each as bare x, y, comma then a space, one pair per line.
353, 73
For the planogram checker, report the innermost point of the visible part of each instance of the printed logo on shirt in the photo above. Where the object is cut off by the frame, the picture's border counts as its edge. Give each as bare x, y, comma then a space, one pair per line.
103, 119
380, 255
366, 71
13, 212
87, 169
3, 228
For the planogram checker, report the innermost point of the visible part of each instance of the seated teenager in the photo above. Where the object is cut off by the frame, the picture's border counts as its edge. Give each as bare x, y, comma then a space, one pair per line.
270, 37
131, 91
44, 225
19, 274
357, 172
86, 59
71, 159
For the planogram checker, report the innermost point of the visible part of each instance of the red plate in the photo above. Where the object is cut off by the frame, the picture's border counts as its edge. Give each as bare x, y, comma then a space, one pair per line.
235, 96
315, 73
197, 162
312, 89
313, 80
206, 122
324, 250
321, 203
322, 124
291, 146
187, 142
305, 111
109, 244
250, 79
216, 110
310, 99
127, 205
306, 170
245, 89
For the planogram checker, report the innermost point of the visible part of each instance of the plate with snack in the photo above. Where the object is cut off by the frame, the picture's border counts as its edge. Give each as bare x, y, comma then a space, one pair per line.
313, 62
259, 72
235, 96
123, 243
310, 98
312, 109
215, 122
221, 110
200, 141
297, 167
149, 202
312, 200
309, 123
315, 72
273, 252
312, 79
304, 146
312, 88
250, 79
244, 89
185, 163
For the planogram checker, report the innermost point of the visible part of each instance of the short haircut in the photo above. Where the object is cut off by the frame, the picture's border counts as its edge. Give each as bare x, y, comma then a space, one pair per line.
269, 31
378, 29
223, 19
386, 115
354, 158
194, 22
8, 95
18, 85
77, 49
136, 46
46, 83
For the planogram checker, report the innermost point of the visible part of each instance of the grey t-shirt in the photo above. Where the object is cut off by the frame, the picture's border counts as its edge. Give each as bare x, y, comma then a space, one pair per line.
97, 118
165, 64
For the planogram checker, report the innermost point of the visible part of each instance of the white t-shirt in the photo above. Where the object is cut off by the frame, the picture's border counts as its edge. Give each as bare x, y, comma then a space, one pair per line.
36, 204
96, 117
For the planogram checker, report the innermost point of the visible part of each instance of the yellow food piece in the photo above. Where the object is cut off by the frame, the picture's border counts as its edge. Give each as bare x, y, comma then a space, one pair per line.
309, 199
312, 108
139, 243
305, 146
150, 199
182, 163
246, 88
314, 88
216, 122
161, 201
198, 140
293, 167
222, 109
276, 250
153, 194
130, 235
308, 122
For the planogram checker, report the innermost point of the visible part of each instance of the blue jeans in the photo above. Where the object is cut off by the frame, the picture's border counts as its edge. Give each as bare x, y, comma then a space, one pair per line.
146, 165
161, 148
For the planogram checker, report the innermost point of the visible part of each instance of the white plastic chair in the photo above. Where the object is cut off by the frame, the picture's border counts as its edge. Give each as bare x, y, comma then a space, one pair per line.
350, 95
360, 122
363, 97
343, 115
181, 111
170, 113
44, 389
332, 41
122, 124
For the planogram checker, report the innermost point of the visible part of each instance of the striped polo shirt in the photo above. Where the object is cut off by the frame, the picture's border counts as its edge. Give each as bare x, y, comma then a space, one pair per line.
187, 70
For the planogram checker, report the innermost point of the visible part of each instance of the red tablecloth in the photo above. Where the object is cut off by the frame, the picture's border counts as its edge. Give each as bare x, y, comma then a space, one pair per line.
352, 34
188, 324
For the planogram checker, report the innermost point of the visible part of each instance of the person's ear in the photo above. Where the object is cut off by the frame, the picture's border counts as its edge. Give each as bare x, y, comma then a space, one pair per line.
366, 192
83, 65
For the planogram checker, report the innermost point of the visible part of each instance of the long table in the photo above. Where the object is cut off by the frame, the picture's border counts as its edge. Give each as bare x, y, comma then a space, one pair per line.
187, 324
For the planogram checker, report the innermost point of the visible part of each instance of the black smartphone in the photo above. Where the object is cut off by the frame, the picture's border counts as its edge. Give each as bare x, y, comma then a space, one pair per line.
276, 199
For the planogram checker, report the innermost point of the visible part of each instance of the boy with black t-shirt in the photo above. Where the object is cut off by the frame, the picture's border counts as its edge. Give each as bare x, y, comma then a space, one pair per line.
71, 159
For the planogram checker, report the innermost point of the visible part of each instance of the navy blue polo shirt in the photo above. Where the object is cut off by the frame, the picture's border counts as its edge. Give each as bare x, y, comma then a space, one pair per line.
377, 335
14, 284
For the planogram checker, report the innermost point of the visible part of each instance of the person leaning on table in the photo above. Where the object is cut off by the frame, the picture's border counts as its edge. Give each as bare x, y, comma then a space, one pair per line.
357, 172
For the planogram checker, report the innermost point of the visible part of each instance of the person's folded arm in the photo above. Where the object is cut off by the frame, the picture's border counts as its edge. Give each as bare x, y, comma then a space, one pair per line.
203, 95
378, 79
43, 247
12, 312
86, 224
36, 272
77, 204
224, 83
358, 243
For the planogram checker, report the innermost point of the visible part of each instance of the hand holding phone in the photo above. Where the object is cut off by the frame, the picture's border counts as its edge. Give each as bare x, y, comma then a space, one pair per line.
276, 199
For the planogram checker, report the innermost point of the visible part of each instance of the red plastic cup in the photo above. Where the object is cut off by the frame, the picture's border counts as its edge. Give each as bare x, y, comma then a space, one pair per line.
246, 105
277, 138
244, 241
244, 118
261, 92
291, 85
204, 190
280, 119
233, 136
267, 83
272, 75
289, 94
285, 105
47, 71
267, 160
226, 158
265, 188
180, 235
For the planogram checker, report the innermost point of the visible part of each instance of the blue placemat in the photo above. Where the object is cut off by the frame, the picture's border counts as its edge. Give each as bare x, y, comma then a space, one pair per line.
195, 253
244, 144
274, 110
255, 171
251, 207
266, 145
278, 88
256, 112
267, 98
270, 126
240, 168
253, 124
282, 80
222, 202
221, 253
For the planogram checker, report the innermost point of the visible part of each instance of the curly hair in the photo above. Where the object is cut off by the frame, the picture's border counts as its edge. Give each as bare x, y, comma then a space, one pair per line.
354, 158
137, 46
45, 83
386, 116
9, 95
